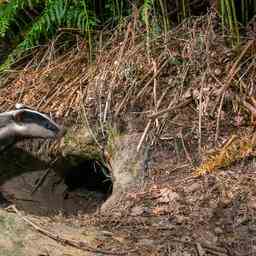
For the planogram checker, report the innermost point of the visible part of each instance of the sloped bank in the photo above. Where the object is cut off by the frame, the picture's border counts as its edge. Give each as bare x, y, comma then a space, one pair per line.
112, 169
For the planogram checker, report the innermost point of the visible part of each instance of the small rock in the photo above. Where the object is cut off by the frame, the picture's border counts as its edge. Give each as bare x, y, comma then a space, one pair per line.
213, 54
213, 204
180, 219
210, 80
218, 231
137, 210
217, 71
193, 187
147, 242
252, 203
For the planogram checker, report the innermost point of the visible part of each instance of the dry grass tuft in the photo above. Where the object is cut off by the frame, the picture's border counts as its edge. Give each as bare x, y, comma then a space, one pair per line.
188, 81
237, 148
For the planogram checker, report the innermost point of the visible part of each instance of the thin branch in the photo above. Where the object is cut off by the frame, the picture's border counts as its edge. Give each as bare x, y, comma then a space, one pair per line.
82, 245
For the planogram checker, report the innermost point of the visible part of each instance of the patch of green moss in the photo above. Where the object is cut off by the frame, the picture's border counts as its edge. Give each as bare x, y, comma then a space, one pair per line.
113, 136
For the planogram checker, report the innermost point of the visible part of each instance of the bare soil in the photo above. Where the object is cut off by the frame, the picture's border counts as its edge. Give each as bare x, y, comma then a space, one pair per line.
51, 197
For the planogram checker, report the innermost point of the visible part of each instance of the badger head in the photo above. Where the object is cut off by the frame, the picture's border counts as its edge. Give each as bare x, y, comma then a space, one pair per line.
28, 123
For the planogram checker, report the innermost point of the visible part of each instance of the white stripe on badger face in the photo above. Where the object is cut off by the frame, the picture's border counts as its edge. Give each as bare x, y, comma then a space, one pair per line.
31, 123
26, 123
39, 114
23, 108
35, 124
35, 112
19, 106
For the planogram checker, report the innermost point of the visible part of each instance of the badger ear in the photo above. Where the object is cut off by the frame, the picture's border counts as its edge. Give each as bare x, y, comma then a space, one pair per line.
18, 116
19, 106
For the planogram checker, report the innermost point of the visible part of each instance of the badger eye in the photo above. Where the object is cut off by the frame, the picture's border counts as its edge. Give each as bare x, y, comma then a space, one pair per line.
48, 126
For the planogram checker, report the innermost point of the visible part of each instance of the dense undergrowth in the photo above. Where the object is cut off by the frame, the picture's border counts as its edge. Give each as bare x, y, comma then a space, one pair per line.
183, 92
27, 24
192, 64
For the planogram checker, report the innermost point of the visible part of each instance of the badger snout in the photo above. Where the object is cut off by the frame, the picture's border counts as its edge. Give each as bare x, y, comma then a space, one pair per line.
38, 130
62, 132
56, 132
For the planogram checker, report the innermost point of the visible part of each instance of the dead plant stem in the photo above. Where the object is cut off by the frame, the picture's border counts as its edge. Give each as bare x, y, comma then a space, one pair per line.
200, 115
82, 245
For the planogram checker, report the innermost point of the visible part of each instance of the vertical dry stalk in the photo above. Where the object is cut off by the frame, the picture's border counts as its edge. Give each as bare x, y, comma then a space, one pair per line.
155, 90
144, 135
150, 121
218, 117
142, 91
200, 115
121, 53
185, 149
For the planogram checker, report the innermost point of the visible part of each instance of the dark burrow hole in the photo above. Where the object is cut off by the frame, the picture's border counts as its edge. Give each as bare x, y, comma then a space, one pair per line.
88, 174
73, 185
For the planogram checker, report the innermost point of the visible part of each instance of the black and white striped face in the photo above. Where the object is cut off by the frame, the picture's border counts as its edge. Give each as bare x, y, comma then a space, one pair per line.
29, 123
25, 122
33, 124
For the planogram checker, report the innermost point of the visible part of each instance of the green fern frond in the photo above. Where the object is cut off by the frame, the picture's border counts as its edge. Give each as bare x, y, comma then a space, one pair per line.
47, 23
74, 14
9, 12
145, 10
83, 19
26, 23
229, 18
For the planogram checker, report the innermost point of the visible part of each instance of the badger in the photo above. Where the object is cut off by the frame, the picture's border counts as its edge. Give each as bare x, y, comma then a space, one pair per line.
23, 123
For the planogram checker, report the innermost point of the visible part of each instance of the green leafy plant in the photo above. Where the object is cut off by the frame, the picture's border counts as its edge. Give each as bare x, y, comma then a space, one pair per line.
229, 18
248, 8
183, 9
145, 14
235, 14
24, 24
55, 14
9, 11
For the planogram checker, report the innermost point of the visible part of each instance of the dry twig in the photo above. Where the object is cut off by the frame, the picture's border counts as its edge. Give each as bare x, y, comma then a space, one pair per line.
82, 245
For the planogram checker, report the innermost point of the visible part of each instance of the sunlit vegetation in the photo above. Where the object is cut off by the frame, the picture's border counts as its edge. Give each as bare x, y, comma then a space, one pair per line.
25, 24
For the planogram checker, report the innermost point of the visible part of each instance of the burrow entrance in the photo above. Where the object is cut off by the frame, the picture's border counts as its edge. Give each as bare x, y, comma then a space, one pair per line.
77, 186
88, 174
